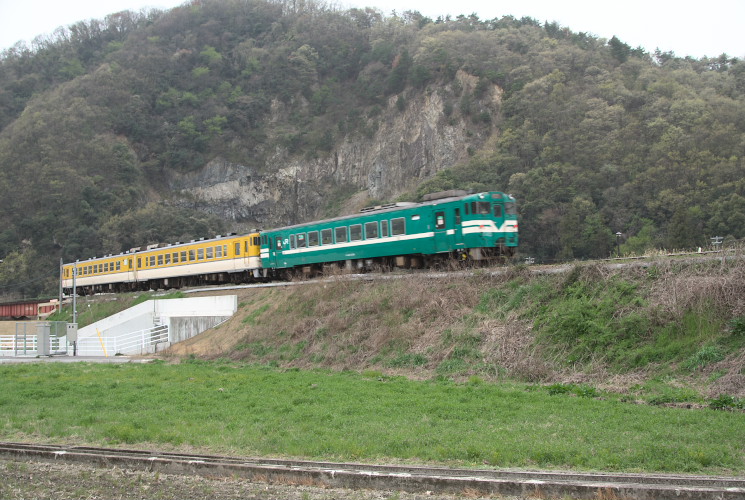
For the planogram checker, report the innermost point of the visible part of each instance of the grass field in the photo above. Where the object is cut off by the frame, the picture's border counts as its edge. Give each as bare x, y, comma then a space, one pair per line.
241, 409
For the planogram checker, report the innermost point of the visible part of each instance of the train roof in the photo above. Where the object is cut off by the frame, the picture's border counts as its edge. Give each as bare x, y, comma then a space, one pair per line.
163, 246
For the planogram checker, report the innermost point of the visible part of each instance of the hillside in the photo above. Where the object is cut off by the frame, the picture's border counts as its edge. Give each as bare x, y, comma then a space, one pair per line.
665, 331
234, 114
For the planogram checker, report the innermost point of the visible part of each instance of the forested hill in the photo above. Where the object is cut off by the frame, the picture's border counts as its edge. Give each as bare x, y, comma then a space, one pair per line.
224, 115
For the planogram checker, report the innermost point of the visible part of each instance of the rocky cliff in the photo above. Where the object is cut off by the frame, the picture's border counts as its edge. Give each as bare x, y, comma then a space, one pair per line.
408, 146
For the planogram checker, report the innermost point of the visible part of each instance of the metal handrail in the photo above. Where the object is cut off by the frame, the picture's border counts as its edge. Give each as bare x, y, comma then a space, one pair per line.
130, 343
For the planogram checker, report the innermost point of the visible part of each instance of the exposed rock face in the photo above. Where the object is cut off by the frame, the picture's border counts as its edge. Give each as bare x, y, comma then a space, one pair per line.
409, 146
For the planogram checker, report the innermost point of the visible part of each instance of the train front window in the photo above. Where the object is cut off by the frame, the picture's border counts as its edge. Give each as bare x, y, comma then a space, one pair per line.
480, 207
497, 211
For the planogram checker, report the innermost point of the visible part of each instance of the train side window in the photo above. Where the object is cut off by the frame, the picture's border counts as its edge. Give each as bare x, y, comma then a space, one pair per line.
210, 252
313, 239
218, 252
106, 267
160, 259
439, 220
301, 240
327, 237
355, 232
192, 255
118, 265
293, 242
152, 261
497, 211
371, 230
168, 259
509, 208
457, 216
466, 207
175, 257
398, 226
183, 256
200, 253
279, 243
139, 263
384, 229
341, 234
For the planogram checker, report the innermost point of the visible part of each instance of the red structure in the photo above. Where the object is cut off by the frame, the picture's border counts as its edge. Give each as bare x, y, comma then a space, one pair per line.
28, 309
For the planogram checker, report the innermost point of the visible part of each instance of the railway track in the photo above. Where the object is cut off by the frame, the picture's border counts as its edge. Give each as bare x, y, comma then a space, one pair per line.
540, 484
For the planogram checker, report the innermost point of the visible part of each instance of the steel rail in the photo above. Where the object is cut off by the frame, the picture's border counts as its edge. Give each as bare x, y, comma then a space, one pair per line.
522, 483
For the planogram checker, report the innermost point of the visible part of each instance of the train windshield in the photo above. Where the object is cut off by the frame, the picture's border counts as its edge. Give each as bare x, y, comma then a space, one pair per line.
481, 207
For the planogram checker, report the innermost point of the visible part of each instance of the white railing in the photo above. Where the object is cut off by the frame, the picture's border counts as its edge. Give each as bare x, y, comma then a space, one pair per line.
139, 342
25, 345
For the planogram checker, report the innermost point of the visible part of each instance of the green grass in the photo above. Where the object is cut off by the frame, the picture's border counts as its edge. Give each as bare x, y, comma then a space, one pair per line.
247, 410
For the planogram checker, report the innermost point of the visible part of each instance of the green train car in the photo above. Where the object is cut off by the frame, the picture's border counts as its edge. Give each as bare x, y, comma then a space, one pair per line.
447, 225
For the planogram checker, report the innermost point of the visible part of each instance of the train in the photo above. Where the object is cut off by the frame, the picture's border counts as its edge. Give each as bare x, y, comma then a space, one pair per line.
446, 226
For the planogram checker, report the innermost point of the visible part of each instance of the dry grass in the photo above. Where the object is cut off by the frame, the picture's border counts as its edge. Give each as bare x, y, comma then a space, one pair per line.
344, 324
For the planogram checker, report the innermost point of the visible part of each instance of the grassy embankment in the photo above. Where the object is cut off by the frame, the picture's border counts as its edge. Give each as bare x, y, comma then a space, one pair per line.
517, 369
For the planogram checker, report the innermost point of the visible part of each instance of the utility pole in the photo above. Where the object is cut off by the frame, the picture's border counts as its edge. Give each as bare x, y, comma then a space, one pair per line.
74, 293
59, 304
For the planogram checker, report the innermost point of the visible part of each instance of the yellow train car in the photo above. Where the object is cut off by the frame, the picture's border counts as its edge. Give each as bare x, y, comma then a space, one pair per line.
223, 259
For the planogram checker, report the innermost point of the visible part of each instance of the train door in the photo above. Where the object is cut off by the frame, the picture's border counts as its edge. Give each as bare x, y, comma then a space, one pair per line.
458, 229
275, 243
247, 252
442, 235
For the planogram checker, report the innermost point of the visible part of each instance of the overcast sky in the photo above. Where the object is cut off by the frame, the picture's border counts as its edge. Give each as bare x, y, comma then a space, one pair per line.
685, 27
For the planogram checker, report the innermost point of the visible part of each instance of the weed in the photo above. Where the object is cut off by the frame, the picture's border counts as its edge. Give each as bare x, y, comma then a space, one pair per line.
703, 357
737, 326
252, 318
406, 360
726, 402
